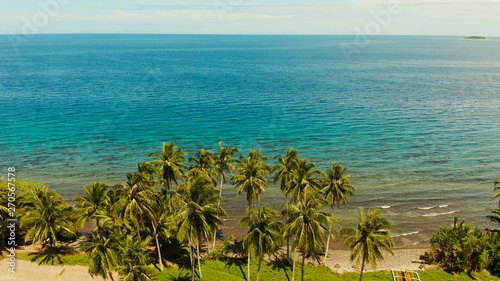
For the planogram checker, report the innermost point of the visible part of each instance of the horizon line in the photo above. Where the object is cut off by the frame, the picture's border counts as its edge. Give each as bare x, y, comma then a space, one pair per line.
239, 34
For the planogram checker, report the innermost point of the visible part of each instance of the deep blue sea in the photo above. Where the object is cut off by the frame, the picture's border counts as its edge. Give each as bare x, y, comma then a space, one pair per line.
416, 119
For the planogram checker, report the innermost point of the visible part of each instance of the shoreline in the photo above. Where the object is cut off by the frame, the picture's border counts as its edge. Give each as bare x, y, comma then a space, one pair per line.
338, 261
410, 238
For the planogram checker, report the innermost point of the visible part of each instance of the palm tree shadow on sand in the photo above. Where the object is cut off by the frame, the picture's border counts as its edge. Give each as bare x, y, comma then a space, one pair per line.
50, 255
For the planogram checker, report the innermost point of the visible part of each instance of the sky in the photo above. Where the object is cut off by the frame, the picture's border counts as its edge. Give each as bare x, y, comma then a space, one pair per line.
374, 17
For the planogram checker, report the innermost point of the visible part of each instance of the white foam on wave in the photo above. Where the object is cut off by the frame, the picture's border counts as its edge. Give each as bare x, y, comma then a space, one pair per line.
406, 245
438, 214
385, 207
428, 208
406, 234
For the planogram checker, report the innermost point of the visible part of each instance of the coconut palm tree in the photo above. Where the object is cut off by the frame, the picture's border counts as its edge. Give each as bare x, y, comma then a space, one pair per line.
136, 202
284, 174
308, 226
93, 203
135, 262
148, 171
284, 169
198, 214
103, 249
254, 154
263, 234
371, 235
162, 211
48, 217
495, 216
251, 176
224, 162
204, 161
114, 194
336, 186
303, 179
170, 164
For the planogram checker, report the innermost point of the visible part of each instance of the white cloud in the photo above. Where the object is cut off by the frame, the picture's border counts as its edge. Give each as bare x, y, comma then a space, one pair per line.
117, 15
193, 15
261, 16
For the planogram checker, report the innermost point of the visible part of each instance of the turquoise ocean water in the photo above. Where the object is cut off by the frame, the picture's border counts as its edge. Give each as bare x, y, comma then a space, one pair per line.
416, 119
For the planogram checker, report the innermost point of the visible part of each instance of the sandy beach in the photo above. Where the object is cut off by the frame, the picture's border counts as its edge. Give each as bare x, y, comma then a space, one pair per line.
338, 261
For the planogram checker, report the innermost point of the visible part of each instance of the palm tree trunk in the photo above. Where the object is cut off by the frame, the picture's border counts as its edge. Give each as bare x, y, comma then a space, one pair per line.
288, 248
220, 199
220, 189
166, 184
198, 254
362, 268
288, 238
258, 270
293, 265
191, 258
303, 262
248, 274
158, 248
327, 245
51, 250
142, 221
328, 241
215, 238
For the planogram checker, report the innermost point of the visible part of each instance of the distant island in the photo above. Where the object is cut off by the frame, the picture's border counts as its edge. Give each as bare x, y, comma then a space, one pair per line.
476, 38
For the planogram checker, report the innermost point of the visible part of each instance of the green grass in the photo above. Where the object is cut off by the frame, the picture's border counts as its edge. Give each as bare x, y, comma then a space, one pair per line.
222, 271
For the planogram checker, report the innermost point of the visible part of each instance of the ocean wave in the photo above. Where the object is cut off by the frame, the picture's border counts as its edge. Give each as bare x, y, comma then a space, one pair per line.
438, 214
409, 233
406, 245
428, 208
406, 234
